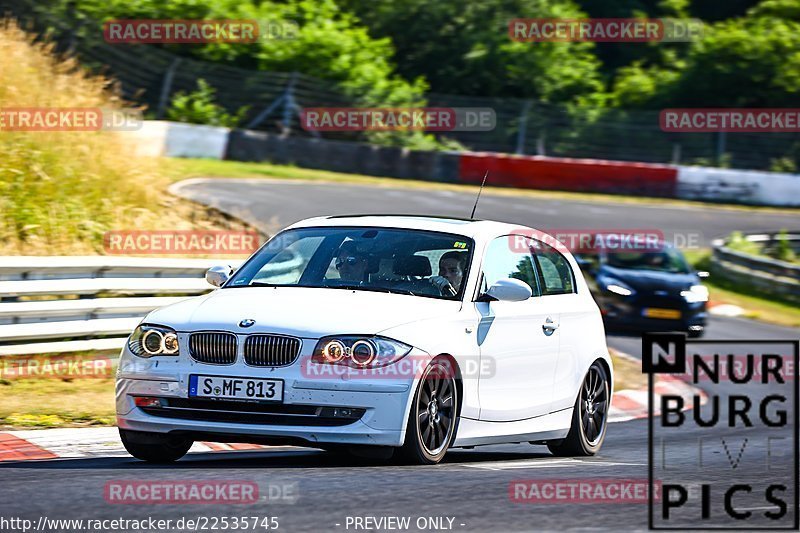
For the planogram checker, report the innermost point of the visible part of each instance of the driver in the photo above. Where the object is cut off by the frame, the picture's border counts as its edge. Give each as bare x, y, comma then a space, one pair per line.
351, 262
451, 273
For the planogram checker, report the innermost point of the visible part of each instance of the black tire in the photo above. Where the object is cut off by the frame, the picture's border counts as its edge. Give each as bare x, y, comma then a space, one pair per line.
433, 418
591, 410
154, 447
695, 333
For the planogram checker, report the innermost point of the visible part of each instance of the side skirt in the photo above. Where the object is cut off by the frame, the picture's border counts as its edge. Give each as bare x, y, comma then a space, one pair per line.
551, 426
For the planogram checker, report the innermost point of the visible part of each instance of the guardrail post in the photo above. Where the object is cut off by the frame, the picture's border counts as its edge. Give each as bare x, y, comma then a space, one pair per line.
166, 87
523, 126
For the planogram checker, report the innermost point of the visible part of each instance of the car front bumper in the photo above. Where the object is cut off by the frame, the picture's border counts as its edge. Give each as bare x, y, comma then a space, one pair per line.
380, 403
621, 314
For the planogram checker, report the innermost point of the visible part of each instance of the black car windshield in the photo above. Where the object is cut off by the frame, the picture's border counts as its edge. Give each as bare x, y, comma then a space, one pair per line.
664, 260
403, 261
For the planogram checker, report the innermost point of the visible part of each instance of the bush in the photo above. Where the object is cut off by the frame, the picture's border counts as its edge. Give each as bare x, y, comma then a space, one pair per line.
783, 249
737, 241
199, 107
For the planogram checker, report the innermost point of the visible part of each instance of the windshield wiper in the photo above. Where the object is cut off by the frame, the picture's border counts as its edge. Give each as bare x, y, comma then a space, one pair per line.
371, 289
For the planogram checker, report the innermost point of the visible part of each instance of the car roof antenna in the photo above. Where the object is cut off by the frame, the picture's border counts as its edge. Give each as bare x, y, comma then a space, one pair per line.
474, 207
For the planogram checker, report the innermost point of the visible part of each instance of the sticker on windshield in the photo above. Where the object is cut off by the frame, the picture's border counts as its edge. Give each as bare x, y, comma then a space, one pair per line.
459, 244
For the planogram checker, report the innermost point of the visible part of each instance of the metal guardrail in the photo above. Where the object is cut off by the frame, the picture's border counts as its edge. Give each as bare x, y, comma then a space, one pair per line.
18, 268
67, 304
770, 276
64, 304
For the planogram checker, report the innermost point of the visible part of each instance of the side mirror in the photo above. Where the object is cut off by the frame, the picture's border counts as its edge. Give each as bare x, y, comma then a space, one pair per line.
218, 275
508, 290
702, 274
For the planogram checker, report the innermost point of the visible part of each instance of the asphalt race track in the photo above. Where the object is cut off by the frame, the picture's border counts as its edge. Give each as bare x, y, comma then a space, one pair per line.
471, 486
273, 204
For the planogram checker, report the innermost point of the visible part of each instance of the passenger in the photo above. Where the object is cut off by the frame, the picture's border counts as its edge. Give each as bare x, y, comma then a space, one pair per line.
451, 273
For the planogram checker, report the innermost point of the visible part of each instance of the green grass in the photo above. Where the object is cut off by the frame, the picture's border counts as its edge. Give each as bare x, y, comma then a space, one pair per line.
59, 401
56, 402
180, 169
756, 306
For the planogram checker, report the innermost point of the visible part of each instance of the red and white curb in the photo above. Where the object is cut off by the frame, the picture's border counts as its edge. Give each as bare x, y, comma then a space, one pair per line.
86, 443
630, 404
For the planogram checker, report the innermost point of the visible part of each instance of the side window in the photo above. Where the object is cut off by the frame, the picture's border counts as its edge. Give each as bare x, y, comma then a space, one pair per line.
506, 259
554, 270
290, 263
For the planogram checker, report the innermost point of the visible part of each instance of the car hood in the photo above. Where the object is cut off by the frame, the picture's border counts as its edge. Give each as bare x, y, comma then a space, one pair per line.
649, 280
299, 311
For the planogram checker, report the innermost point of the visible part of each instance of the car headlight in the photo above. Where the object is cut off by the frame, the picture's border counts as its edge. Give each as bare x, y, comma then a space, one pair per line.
148, 341
696, 294
617, 287
359, 351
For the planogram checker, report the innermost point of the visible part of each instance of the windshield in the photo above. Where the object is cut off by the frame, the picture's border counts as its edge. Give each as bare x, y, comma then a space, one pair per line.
665, 260
420, 263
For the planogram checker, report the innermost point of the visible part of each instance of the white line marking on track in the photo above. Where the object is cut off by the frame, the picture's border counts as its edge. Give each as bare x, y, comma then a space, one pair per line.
544, 463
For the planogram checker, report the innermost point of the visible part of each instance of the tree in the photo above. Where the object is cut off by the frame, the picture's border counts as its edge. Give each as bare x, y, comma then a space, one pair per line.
464, 47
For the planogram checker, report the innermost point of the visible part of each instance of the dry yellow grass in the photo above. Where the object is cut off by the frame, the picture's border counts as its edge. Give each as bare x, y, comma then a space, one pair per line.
627, 372
61, 190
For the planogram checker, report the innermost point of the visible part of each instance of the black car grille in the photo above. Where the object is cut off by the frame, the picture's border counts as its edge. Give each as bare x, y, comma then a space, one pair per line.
255, 412
215, 348
271, 350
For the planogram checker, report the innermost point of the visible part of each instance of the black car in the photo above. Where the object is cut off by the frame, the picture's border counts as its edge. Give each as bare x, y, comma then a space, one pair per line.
647, 290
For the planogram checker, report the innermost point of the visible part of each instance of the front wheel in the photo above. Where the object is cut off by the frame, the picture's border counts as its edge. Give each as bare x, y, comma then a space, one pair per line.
154, 447
434, 412
589, 416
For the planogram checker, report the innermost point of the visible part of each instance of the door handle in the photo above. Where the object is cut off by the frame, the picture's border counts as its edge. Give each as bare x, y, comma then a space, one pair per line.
549, 326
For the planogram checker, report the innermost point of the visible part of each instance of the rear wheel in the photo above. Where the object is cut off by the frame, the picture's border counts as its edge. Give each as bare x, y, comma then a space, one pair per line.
434, 412
589, 416
154, 447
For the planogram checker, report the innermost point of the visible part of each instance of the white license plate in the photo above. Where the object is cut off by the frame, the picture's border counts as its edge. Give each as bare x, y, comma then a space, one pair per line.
235, 388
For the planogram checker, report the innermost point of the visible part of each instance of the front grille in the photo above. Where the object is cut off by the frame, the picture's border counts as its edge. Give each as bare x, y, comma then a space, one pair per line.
271, 350
213, 347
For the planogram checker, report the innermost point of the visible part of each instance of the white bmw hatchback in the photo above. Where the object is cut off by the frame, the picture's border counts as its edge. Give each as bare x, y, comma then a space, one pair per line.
376, 334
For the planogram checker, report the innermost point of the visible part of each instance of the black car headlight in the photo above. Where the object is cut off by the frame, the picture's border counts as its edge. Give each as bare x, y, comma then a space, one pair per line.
617, 287
359, 351
695, 294
148, 341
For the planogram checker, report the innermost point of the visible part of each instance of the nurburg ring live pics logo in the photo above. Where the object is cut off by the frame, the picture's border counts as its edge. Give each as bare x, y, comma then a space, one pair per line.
728, 457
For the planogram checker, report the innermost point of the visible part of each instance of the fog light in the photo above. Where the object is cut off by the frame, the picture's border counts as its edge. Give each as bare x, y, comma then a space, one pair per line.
343, 413
148, 401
